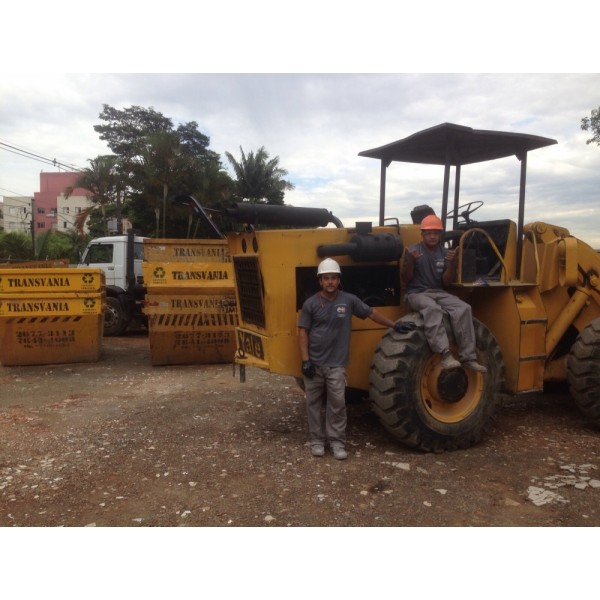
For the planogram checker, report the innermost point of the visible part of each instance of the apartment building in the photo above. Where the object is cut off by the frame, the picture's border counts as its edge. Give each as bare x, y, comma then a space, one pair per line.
16, 214
52, 210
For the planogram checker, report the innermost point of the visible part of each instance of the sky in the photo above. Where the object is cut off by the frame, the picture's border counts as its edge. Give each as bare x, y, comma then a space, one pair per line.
318, 123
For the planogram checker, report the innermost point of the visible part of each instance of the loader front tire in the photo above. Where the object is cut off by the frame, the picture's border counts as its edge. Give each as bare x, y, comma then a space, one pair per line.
583, 371
427, 408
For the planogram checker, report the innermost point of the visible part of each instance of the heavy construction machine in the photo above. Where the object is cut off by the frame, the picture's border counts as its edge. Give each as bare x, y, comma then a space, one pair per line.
533, 288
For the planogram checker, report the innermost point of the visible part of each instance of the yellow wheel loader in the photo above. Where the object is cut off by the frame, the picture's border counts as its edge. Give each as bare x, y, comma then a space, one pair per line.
533, 288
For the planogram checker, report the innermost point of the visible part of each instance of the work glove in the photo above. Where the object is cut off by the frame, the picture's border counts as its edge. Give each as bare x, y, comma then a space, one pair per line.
308, 369
404, 326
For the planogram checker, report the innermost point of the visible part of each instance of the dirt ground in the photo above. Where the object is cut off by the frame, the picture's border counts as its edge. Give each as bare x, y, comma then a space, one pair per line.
122, 443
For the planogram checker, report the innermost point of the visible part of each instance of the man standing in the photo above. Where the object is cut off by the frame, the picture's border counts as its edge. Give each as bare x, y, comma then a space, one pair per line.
324, 330
428, 268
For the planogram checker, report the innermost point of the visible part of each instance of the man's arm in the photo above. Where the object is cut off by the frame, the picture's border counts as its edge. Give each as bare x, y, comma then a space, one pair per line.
399, 326
303, 342
408, 265
449, 273
380, 318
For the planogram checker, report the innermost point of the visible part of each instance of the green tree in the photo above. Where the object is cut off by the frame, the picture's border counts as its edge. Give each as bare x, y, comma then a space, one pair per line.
105, 181
158, 161
124, 130
258, 179
592, 123
15, 246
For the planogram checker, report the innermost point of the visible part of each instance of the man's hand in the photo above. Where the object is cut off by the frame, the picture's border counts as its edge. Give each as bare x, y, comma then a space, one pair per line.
414, 255
308, 369
404, 326
451, 255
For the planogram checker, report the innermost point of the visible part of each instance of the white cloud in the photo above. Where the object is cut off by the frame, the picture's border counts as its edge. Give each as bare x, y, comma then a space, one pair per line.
317, 124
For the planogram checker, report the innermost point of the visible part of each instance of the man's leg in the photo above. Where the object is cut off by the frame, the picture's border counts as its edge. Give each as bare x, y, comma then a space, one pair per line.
433, 318
461, 318
335, 421
314, 390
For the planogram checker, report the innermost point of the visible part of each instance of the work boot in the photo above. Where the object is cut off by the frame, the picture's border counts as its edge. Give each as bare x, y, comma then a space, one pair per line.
448, 361
473, 365
339, 453
317, 450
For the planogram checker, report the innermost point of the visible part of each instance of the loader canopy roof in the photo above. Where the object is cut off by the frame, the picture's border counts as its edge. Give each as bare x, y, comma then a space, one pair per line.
458, 145
453, 146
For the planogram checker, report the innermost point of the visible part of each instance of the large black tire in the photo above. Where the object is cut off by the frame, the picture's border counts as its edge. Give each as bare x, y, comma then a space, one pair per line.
115, 319
427, 408
583, 370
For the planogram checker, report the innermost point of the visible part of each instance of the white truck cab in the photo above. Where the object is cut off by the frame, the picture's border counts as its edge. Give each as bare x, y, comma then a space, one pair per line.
120, 257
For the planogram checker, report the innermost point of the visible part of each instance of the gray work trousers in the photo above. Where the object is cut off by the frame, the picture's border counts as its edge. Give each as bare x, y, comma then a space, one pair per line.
432, 304
326, 424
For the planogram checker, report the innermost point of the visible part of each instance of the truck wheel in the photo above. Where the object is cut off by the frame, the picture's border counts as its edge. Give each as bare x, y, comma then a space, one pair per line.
583, 370
115, 319
425, 407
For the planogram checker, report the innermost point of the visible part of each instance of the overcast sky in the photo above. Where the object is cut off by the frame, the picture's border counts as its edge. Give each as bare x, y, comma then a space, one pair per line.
317, 124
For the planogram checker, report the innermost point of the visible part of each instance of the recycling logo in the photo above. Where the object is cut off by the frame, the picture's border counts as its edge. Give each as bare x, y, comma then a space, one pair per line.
89, 303
88, 278
159, 273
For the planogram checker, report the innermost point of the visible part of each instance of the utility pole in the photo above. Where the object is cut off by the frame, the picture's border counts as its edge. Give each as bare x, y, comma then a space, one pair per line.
33, 227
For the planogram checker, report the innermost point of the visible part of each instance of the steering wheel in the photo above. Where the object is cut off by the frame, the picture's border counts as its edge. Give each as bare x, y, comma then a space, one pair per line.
468, 210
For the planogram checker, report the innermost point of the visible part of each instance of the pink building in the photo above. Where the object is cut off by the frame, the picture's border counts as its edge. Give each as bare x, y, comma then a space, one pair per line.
52, 185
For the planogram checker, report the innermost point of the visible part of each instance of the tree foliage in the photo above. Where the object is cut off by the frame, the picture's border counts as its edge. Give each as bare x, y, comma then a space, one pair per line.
104, 179
153, 161
592, 124
15, 246
124, 130
160, 162
259, 179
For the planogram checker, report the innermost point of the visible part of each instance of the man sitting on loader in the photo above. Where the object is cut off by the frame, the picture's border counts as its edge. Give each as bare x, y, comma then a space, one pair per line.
427, 269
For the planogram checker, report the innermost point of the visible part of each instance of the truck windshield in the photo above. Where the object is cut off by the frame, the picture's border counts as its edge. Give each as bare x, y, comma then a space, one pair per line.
99, 253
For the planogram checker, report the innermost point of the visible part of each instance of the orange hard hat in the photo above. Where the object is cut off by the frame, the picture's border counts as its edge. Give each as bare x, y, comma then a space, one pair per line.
432, 222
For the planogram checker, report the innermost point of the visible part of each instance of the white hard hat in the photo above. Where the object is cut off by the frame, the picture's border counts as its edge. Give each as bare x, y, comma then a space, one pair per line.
328, 266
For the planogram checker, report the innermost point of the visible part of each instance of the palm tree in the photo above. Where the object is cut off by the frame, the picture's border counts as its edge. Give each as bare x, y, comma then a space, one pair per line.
103, 180
259, 180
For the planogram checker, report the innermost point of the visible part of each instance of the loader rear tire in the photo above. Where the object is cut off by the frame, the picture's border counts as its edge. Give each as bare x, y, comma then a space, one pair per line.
427, 408
583, 370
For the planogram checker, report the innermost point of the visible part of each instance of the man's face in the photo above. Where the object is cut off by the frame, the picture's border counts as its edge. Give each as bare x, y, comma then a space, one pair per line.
329, 282
431, 237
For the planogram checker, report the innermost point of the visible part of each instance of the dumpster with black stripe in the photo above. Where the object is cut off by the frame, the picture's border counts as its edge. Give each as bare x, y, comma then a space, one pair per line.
190, 301
50, 315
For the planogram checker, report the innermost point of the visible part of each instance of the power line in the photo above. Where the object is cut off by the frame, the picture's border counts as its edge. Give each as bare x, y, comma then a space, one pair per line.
16, 194
20, 151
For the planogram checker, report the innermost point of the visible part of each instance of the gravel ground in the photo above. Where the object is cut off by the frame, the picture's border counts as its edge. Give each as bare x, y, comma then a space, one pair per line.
119, 443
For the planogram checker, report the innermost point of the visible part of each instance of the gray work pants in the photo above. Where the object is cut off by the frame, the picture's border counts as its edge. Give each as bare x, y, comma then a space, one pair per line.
432, 304
328, 425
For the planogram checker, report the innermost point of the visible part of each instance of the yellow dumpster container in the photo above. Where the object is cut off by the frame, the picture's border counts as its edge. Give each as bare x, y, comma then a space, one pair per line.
191, 328
50, 316
190, 301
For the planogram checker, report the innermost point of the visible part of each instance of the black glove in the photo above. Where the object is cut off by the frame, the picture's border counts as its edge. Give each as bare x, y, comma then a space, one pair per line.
308, 369
404, 326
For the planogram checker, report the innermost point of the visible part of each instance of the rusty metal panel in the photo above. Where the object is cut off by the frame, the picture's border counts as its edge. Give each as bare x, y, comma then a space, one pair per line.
42, 340
191, 328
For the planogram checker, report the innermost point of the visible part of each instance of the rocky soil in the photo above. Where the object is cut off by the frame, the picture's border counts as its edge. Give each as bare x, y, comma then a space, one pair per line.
119, 443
